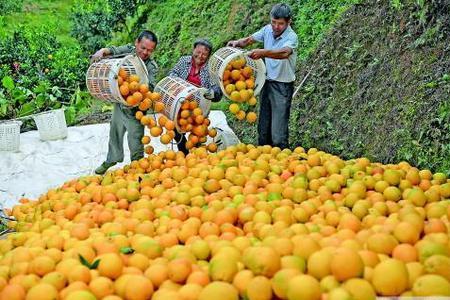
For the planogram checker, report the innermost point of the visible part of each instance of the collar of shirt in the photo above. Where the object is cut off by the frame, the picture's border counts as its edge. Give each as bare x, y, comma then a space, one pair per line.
145, 61
283, 35
192, 67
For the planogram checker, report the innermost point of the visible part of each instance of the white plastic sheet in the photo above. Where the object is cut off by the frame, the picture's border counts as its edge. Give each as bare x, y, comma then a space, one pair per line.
40, 166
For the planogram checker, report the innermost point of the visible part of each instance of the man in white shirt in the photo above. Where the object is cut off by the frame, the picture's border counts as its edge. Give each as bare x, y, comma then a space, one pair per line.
279, 52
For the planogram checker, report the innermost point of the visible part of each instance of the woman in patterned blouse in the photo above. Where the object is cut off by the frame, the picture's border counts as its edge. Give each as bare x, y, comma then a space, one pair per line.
194, 69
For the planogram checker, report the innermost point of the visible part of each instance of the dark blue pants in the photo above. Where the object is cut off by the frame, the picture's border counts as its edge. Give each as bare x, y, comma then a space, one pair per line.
274, 110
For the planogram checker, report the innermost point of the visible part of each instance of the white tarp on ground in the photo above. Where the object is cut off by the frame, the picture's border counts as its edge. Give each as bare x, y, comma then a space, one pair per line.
40, 166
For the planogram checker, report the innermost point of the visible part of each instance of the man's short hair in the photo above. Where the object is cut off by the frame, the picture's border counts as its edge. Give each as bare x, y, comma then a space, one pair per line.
148, 35
281, 11
204, 42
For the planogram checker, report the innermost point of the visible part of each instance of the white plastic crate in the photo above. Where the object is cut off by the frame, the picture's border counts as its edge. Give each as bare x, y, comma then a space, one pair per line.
174, 91
101, 77
10, 136
51, 125
223, 56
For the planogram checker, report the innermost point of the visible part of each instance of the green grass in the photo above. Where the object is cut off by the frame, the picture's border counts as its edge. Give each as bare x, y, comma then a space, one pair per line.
38, 13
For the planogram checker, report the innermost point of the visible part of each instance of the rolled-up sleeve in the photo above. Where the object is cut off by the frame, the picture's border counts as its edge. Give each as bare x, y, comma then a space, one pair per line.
291, 41
121, 49
259, 35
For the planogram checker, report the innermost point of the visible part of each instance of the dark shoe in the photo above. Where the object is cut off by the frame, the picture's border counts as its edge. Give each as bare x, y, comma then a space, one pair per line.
103, 168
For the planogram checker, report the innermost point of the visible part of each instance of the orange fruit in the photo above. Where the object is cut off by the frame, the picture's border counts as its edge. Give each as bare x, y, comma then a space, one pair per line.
155, 131
405, 252
431, 285
158, 106
247, 71
123, 73
133, 86
134, 78
57, 279
124, 90
179, 270
222, 268
12, 292
42, 265
219, 290
229, 88
165, 139
77, 295
250, 83
79, 273
235, 96
212, 147
259, 287
138, 96
139, 114
251, 117
318, 264
80, 231
281, 279
262, 260
359, 289
390, 277
138, 287
157, 273
101, 287
155, 96
132, 101
346, 263
111, 265
145, 140
303, 287
240, 85
144, 105
143, 88
42, 291
235, 75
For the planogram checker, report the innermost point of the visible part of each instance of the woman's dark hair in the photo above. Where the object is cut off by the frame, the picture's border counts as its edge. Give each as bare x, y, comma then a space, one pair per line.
281, 11
204, 42
148, 35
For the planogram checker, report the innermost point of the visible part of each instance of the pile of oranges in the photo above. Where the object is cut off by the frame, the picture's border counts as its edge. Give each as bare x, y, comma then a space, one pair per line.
190, 118
239, 84
246, 222
135, 93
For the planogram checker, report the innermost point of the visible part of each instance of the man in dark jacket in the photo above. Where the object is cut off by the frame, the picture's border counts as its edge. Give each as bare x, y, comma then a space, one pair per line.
123, 118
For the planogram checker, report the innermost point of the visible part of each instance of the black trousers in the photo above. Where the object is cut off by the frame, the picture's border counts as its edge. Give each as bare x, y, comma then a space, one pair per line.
180, 139
274, 110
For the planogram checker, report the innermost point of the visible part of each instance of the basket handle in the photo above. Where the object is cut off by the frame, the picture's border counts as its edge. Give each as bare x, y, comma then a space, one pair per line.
110, 56
145, 68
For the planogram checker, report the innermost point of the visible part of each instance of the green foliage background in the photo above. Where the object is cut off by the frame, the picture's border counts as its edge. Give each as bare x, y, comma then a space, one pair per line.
379, 84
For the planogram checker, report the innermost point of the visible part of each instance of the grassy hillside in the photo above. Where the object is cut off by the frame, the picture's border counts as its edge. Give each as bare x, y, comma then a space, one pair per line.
178, 23
54, 14
380, 86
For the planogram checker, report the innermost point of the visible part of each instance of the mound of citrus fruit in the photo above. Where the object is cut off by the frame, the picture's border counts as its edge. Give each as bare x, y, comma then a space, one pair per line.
136, 93
239, 84
246, 222
190, 118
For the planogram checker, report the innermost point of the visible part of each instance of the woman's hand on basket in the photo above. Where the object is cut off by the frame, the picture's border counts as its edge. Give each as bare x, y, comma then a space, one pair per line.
233, 44
209, 94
